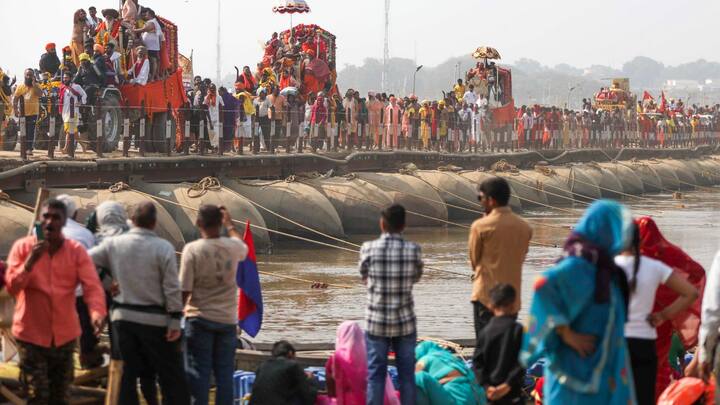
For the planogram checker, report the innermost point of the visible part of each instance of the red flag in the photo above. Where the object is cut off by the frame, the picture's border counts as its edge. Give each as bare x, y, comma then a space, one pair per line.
663, 103
647, 96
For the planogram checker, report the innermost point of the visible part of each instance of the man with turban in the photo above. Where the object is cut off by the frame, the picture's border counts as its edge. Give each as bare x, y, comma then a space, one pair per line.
67, 61
49, 61
99, 64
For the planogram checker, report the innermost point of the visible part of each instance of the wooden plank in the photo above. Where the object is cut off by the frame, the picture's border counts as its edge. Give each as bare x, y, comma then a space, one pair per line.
42, 195
11, 396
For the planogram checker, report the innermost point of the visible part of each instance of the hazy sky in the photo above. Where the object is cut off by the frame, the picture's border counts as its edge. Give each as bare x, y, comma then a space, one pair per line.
578, 32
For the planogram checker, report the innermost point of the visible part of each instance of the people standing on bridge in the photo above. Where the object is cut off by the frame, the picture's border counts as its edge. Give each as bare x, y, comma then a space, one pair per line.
207, 277
645, 275
30, 92
577, 317
498, 243
229, 112
49, 61
80, 31
390, 266
278, 114
214, 103
152, 36
148, 307
262, 108
318, 122
43, 272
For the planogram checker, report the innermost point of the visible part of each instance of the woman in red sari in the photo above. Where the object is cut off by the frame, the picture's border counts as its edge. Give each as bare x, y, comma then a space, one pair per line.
654, 245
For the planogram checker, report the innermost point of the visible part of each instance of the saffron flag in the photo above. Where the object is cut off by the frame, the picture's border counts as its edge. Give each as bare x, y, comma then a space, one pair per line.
250, 305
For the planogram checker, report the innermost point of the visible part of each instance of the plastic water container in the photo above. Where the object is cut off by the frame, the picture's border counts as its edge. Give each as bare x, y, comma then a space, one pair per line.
242, 386
319, 373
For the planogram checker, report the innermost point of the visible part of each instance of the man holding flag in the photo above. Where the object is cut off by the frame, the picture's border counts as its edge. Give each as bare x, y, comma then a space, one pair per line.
208, 280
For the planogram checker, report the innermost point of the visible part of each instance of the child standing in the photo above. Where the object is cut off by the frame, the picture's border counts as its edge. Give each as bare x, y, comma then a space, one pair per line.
496, 357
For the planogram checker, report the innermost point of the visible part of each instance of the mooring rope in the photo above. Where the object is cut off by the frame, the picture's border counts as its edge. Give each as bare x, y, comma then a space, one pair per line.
199, 189
120, 186
415, 213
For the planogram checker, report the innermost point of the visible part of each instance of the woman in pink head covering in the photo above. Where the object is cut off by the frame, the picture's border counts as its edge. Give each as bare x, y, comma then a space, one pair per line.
346, 370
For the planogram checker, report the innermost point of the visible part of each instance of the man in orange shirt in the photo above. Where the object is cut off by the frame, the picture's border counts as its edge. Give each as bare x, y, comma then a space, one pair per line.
43, 272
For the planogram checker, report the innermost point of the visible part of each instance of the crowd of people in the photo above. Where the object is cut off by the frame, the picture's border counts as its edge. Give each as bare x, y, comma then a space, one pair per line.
126, 47
602, 319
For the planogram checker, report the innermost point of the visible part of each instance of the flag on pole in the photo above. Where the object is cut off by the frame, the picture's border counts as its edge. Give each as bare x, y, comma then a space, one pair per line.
663, 103
250, 304
647, 96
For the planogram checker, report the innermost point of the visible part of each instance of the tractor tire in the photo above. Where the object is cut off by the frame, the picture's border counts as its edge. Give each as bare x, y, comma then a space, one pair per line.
112, 117
43, 128
155, 142
10, 136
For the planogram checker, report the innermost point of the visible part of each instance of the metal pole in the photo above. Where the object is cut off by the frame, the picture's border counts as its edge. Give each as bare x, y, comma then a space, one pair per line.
168, 130
141, 136
23, 129
99, 144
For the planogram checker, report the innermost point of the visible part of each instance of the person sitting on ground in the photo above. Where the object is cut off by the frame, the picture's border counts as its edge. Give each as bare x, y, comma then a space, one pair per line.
496, 361
442, 378
281, 380
346, 370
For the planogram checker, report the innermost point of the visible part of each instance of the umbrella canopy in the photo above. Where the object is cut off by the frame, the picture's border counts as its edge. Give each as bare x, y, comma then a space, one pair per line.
292, 7
486, 52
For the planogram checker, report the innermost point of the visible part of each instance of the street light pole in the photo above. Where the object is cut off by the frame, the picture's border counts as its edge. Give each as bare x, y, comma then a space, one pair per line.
417, 69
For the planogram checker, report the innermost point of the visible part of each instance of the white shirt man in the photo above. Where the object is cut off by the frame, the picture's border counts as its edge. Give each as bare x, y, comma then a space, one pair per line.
140, 73
470, 97
72, 94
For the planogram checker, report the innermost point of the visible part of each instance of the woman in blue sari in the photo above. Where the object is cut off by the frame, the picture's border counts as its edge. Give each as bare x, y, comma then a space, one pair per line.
578, 314
443, 379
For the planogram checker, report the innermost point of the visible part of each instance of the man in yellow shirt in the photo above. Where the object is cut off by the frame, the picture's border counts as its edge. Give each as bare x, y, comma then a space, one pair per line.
30, 92
459, 90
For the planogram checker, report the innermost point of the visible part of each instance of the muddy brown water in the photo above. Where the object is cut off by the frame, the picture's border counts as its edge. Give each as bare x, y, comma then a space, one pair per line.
296, 312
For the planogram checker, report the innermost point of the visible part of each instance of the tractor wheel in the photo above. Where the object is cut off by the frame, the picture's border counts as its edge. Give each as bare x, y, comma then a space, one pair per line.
112, 118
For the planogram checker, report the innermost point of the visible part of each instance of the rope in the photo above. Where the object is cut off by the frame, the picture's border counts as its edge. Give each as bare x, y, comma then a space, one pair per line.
478, 204
6, 197
293, 222
315, 284
550, 192
423, 215
201, 188
124, 186
575, 179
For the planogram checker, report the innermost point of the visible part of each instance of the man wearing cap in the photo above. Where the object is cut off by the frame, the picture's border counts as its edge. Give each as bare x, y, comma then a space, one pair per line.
49, 61
99, 64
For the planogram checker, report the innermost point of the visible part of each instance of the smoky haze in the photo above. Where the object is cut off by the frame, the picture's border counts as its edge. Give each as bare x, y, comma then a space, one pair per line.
568, 34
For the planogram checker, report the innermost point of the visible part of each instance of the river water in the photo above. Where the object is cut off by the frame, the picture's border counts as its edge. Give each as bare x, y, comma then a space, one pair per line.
296, 312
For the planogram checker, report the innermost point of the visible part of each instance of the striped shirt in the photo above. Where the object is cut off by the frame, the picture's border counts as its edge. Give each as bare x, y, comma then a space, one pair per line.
391, 266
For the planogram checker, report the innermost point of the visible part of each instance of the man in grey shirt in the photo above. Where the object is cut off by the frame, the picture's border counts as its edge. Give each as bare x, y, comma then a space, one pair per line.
147, 310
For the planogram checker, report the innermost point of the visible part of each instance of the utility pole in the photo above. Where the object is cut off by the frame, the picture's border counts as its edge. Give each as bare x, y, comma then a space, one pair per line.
218, 76
386, 49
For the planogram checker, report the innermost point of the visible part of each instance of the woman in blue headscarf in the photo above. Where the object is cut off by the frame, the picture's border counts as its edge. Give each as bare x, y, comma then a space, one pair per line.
443, 379
578, 314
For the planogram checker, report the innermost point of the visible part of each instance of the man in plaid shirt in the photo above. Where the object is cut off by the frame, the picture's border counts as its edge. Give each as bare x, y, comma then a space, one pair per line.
389, 267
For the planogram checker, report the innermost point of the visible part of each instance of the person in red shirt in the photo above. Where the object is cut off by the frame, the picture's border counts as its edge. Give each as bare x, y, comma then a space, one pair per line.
43, 272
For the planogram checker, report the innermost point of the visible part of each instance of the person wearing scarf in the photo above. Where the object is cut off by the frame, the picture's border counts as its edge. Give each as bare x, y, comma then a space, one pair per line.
71, 95
346, 370
578, 312
442, 378
140, 71
214, 104
318, 120
686, 323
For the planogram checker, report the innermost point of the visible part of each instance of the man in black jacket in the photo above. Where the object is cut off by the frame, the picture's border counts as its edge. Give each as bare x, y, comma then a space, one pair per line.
49, 61
281, 380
